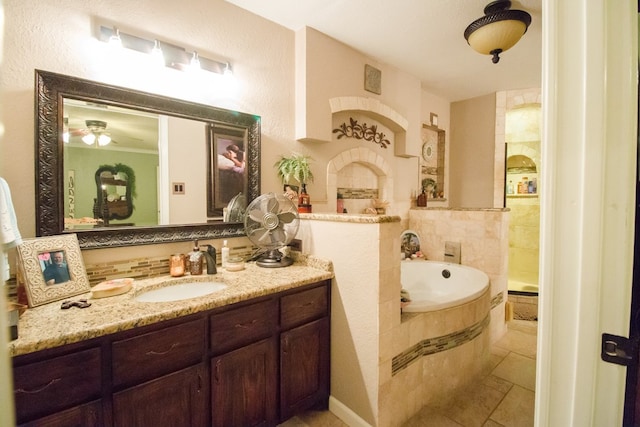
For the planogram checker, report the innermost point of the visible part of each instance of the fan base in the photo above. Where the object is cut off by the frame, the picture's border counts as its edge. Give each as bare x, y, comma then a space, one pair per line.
270, 262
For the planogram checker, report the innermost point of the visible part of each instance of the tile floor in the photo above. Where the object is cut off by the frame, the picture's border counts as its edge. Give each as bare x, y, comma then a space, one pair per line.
505, 397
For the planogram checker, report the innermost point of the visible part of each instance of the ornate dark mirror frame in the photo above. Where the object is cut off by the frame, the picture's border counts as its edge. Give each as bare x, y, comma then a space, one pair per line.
50, 91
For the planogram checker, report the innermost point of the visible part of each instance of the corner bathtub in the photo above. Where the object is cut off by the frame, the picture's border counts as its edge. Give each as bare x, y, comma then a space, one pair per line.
434, 285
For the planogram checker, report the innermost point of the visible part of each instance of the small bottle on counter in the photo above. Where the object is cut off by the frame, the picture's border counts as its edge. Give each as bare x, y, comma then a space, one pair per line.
224, 254
195, 260
510, 188
422, 199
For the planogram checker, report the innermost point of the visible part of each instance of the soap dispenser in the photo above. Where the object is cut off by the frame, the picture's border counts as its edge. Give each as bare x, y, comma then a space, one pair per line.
195, 260
225, 254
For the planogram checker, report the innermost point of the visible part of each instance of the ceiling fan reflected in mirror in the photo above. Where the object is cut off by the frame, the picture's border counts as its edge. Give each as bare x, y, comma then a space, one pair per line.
95, 133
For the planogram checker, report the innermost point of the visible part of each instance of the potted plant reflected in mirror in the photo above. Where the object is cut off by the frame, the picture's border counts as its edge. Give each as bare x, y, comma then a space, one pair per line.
297, 167
430, 187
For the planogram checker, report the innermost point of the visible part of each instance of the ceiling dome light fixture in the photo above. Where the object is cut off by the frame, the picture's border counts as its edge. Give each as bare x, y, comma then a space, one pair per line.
498, 30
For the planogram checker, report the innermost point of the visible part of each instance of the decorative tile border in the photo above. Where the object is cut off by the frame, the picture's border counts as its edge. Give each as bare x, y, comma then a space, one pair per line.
436, 345
358, 193
497, 300
143, 268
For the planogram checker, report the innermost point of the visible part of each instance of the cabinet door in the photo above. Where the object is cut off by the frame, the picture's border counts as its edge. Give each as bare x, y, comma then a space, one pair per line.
304, 367
178, 399
243, 386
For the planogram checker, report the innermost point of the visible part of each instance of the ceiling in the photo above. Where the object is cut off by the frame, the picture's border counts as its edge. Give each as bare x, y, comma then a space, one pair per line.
421, 37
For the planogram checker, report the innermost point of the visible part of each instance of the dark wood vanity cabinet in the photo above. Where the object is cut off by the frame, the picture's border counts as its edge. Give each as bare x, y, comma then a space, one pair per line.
254, 363
244, 386
304, 368
304, 350
176, 399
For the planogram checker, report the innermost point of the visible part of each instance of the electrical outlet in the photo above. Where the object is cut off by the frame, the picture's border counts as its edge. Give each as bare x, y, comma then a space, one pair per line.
296, 245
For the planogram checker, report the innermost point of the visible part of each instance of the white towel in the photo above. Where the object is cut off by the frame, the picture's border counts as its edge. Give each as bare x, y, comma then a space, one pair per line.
9, 233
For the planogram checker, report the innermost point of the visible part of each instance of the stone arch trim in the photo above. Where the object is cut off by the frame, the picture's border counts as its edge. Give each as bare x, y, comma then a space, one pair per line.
372, 107
363, 156
519, 149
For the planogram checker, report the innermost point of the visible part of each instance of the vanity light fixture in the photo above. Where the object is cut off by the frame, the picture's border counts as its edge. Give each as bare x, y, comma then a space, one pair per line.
173, 56
498, 30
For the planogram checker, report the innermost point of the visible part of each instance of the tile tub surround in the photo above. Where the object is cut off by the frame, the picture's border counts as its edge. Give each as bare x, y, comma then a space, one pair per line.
368, 329
484, 239
49, 326
451, 349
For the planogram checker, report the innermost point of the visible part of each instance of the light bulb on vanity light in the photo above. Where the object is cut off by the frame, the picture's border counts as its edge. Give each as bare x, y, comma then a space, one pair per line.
194, 65
157, 55
115, 41
228, 72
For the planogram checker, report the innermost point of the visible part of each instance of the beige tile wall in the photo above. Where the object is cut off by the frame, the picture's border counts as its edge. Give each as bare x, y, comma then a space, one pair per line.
524, 238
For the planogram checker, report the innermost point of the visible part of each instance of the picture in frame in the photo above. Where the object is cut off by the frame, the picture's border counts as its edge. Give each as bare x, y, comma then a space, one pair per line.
227, 168
372, 79
52, 268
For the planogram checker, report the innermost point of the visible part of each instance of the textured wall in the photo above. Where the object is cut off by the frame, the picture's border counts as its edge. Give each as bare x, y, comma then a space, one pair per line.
472, 152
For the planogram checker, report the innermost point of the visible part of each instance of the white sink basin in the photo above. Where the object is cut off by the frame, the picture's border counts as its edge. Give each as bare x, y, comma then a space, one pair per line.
180, 291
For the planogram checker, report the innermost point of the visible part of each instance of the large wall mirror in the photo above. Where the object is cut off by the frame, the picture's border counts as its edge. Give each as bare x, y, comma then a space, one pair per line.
180, 166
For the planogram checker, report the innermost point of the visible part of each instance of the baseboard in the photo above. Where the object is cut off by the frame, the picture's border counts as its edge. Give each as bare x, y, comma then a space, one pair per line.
345, 414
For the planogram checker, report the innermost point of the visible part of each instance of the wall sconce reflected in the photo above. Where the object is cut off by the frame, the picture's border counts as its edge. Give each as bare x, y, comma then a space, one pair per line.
172, 56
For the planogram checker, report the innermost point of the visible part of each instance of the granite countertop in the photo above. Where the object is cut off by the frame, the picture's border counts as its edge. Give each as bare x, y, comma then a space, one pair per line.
353, 218
48, 326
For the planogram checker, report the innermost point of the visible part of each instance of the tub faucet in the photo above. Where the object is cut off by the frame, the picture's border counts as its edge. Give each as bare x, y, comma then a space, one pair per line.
452, 252
210, 256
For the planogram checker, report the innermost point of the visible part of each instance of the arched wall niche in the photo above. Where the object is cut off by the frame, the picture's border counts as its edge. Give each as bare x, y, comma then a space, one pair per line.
364, 156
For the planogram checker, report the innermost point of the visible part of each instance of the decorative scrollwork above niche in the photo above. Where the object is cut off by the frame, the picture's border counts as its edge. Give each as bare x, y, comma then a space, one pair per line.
362, 131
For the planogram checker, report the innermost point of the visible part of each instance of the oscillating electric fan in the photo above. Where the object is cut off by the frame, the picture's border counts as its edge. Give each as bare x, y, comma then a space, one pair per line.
271, 222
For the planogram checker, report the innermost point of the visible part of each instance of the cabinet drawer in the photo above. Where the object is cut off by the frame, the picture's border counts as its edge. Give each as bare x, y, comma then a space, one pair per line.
156, 353
304, 306
55, 384
243, 325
